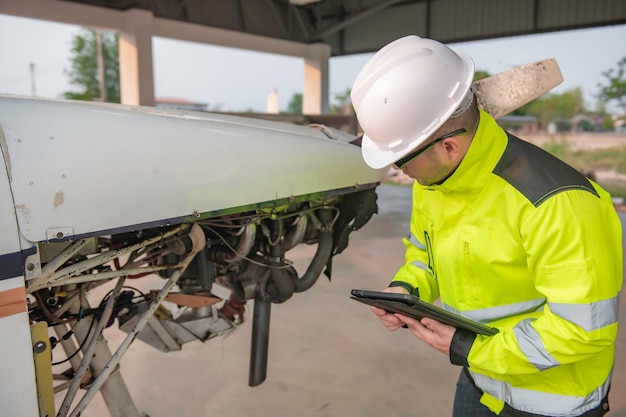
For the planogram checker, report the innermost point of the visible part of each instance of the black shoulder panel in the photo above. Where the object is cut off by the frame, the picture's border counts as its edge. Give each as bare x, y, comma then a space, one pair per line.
536, 173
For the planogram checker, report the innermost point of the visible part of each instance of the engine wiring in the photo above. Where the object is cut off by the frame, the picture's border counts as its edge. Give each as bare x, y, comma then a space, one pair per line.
287, 263
120, 305
211, 225
67, 336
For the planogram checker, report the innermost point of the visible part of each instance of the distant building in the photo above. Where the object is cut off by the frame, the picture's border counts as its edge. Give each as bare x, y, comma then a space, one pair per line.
619, 121
519, 124
180, 104
587, 123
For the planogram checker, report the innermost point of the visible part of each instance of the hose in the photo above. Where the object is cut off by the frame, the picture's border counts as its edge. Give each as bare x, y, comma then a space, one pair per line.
319, 261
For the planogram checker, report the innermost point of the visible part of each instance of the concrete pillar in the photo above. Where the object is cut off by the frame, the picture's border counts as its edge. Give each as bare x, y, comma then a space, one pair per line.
316, 79
135, 52
273, 105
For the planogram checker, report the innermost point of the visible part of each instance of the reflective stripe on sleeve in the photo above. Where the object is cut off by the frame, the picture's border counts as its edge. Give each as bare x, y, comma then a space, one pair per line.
413, 240
591, 316
532, 346
420, 265
537, 402
486, 315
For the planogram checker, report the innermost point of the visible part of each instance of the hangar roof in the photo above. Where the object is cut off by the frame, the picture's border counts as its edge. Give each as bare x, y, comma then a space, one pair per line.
361, 26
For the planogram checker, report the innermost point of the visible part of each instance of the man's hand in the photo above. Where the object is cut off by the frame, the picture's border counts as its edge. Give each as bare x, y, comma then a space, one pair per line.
437, 335
390, 320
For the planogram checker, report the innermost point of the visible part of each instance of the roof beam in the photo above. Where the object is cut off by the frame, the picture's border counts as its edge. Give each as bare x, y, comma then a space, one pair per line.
305, 31
279, 22
354, 19
240, 16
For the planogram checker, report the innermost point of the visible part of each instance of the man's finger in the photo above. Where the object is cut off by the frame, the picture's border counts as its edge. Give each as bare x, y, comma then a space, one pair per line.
429, 323
379, 311
406, 320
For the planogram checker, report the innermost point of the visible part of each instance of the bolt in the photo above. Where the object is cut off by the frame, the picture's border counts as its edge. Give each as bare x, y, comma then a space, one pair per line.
39, 347
30, 267
60, 235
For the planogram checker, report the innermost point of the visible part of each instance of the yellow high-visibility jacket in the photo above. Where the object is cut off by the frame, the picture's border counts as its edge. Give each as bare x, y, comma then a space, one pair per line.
521, 241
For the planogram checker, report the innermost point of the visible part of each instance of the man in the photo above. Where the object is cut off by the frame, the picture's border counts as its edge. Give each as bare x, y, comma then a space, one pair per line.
502, 232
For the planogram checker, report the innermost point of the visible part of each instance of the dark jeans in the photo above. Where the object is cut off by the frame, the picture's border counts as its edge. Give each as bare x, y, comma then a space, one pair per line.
467, 403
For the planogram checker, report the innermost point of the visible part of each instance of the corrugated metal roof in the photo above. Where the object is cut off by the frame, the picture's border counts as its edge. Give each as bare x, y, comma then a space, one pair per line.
360, 26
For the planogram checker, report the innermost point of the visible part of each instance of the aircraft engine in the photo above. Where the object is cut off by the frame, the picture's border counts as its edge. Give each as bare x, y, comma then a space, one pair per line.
244, 255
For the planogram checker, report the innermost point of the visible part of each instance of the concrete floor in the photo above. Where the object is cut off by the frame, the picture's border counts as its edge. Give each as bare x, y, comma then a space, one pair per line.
328, 355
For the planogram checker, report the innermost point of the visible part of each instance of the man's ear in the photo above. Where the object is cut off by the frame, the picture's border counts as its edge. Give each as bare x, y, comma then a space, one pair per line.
452, 149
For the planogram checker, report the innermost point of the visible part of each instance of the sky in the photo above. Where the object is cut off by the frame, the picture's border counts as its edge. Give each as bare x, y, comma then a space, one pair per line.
228, 79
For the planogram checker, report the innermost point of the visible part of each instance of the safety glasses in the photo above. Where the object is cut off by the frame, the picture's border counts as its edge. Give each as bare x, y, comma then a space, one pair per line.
401, 163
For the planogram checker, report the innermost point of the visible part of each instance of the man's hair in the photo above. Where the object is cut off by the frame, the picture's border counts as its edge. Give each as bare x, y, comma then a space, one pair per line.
468, 119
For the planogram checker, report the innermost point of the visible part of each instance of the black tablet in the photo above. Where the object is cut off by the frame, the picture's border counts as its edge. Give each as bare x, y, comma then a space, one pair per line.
412, 306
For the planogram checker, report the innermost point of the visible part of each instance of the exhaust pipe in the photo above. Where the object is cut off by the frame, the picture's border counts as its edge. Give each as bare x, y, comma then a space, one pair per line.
261, 320
263, 300
260, 342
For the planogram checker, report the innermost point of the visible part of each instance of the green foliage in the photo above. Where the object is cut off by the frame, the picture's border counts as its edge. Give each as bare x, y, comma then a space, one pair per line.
556, 148
593, 160
607, 122
480, 74
615, 89
341, 100
555, 106
84, 69
600, 158
295, 104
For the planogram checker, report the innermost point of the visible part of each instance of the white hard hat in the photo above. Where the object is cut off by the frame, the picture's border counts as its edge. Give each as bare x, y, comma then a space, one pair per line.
404, 93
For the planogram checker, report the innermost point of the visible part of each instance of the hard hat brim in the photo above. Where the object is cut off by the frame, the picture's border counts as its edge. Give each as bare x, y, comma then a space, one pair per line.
377, 158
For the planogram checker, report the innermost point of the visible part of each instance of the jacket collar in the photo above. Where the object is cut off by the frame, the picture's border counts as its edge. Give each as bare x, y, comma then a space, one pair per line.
487, 146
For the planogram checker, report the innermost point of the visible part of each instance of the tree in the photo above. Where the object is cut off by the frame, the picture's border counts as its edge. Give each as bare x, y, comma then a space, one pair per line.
615, 89
480, 74
84, 70
342, 100
552, 107
295, 104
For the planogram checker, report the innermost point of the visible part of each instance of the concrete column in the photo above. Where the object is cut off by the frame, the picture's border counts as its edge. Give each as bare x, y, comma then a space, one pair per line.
135, 52
272, 106
316, 79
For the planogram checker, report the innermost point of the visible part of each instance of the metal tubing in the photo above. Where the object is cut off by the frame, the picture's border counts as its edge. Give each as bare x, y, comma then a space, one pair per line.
116, 274
261, 319
204, 280
62, 257
320, 259
54, 279
260, 341
117, 356
114, 391
89, 352
297, 232
108, 381
246, 240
